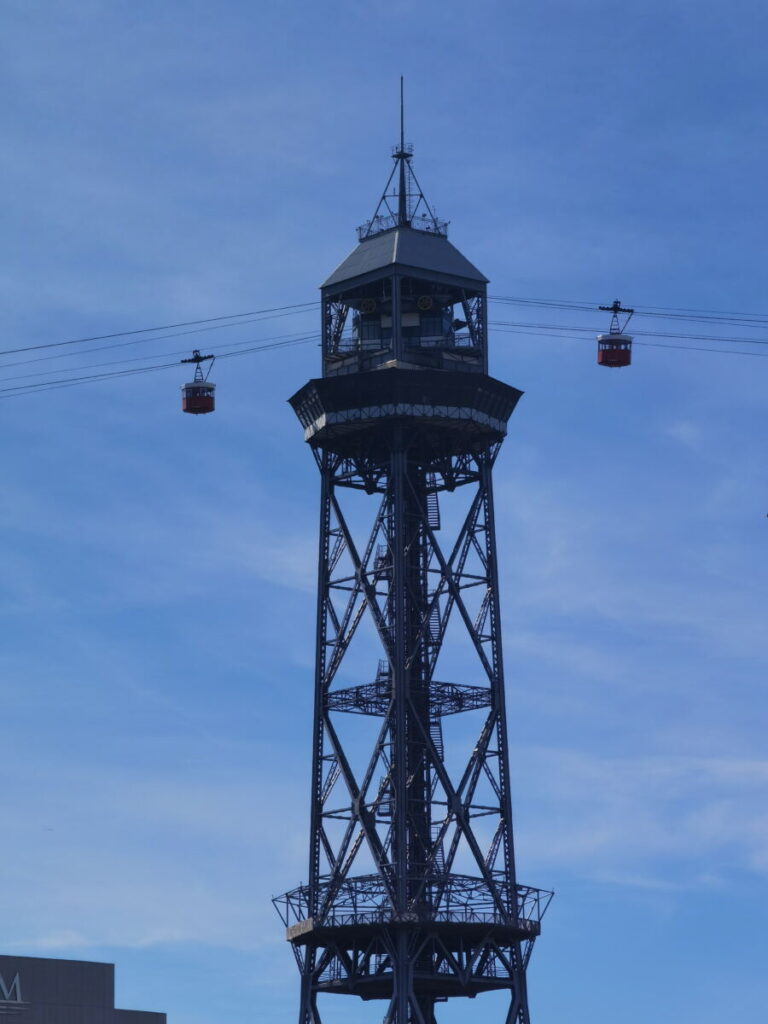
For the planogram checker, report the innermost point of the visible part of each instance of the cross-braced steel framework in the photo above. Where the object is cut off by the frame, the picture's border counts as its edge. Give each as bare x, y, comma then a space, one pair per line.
414, 929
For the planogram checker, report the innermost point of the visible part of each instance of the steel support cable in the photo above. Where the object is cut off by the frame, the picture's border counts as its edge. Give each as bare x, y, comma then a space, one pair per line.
698, 348
589, 307
146, 341
305, 306
755, 319
92, 377
267, 342
645, 344
26, 389
724, 339
662, 312
503, 327
740, 321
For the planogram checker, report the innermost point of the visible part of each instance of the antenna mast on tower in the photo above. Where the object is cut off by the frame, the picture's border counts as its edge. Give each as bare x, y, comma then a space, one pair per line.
402, 204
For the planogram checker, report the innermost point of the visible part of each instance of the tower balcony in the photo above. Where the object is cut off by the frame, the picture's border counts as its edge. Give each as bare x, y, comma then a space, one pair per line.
462, 906
360, 413
386, 222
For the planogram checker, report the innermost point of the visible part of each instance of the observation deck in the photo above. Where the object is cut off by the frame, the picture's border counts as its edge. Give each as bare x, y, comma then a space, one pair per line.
449, 413
448, 903
454, 911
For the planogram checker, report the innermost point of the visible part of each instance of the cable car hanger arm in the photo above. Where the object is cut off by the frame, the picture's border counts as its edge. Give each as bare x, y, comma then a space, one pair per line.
197, 359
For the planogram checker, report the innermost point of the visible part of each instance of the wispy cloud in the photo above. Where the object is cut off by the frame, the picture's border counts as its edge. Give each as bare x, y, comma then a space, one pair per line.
657, 821
106, 851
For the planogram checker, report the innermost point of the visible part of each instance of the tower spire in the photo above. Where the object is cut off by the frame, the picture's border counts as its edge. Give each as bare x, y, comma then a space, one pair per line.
403, 203
402, 158
402, 114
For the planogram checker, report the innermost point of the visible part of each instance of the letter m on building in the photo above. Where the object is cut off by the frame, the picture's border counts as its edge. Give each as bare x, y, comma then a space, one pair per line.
10, 993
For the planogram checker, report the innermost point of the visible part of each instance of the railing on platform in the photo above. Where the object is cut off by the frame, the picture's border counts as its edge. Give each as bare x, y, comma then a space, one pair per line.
448, 899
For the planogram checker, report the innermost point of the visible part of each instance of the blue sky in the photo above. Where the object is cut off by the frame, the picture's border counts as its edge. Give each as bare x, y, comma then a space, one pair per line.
168, 162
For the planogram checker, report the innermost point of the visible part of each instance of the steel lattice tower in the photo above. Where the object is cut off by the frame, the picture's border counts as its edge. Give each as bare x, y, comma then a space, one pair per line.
412, 896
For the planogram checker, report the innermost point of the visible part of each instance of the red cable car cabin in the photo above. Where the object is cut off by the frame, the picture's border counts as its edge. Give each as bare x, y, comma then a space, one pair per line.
198, 397
614, 349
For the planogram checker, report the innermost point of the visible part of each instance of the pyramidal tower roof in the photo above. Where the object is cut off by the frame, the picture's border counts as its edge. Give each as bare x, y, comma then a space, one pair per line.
404, 230
407, 247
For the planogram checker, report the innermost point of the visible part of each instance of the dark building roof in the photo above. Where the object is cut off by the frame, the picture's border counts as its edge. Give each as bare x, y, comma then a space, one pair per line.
40, 990
408, 248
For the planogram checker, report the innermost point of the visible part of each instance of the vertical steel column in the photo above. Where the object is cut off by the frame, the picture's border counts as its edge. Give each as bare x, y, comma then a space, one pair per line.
411, 768
400, 687
486, 483
308, 1005
518, 1011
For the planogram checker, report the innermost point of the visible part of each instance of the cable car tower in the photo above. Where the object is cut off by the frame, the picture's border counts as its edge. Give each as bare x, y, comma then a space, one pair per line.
412, 897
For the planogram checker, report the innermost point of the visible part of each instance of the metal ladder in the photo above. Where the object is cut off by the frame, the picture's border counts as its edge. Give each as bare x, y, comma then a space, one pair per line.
433, 505
436, 735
